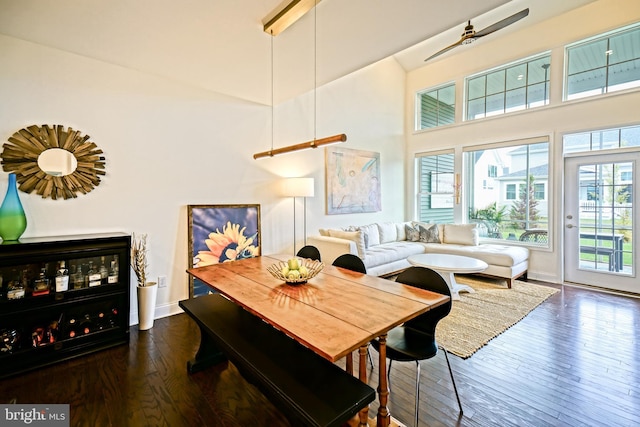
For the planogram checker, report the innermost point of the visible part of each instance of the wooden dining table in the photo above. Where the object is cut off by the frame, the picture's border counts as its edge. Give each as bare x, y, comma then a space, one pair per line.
334, 313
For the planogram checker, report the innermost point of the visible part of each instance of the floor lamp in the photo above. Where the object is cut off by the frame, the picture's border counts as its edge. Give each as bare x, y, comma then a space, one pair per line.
298, 187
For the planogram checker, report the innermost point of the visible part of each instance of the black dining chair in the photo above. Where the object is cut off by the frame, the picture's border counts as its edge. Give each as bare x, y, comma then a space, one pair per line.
353, 263
415, 340
350, 262
310, 252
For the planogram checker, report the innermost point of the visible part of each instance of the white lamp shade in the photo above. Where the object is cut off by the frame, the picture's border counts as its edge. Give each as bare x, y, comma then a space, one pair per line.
297, 187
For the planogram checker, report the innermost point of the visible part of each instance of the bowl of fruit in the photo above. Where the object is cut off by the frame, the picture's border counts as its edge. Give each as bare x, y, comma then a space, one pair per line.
296, 271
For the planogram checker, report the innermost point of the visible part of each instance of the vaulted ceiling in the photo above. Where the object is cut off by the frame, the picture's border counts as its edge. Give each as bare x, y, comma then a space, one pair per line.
219, 45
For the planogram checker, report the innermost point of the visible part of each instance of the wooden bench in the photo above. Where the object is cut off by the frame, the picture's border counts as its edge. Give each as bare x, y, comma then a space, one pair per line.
308, 389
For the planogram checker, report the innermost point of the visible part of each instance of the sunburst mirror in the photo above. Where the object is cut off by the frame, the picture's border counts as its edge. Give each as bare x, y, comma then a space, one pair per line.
52, 161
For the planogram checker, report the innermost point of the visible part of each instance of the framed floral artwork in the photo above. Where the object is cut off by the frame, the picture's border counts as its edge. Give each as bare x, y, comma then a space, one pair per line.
221, 233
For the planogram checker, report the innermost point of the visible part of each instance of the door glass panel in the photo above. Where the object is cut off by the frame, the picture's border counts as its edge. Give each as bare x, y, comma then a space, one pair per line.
606, 220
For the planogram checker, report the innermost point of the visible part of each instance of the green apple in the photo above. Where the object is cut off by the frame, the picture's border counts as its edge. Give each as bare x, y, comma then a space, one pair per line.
293, 275
304, 271
294, 264
285, 271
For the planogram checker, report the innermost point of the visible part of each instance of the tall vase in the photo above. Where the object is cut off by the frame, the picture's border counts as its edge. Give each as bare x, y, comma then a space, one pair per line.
13, 221
147, 305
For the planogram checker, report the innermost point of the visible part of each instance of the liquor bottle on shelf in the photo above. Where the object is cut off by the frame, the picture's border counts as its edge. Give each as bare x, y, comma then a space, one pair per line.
86, 325
94, 276
62, 278
77, 278
104, 272
41, 284
15, 290
113, 272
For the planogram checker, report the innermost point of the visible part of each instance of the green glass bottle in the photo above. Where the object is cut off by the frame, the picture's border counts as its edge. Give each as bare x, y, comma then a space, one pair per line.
13, 221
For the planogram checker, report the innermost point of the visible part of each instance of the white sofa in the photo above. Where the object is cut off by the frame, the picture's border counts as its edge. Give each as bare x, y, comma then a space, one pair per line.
384, 247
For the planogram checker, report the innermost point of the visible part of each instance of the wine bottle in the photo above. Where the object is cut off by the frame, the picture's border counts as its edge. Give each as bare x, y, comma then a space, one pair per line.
62, 278
93, 275
86, 325
72, 328
113, 273
15, 289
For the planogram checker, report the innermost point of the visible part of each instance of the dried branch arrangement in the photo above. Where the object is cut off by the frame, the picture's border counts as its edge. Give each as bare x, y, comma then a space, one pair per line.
139, 258
20, 156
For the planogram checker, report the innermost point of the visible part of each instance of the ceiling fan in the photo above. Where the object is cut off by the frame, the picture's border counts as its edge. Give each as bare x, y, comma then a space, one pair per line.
470, 35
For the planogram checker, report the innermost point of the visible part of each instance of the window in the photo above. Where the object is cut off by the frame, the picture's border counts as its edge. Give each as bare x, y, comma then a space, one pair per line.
605, 64
602, 139
514, 87
492, 171
435, 187
436, 107
626, 176
519, 200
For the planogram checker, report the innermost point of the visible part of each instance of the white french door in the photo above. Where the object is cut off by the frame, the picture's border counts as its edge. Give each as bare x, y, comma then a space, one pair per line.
601, 248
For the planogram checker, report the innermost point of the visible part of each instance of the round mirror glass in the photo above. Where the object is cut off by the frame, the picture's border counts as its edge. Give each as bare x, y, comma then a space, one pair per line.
57, 162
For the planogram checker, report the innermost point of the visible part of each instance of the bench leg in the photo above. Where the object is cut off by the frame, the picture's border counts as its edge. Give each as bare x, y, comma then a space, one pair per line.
208, 354
362, 371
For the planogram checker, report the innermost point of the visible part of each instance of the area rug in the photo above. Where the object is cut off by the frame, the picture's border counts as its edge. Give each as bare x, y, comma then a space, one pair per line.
479, 317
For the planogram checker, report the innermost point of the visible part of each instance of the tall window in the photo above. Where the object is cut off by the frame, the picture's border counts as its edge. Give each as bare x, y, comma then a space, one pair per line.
519, 200
436, 107
605, 64
435, 187
513, 87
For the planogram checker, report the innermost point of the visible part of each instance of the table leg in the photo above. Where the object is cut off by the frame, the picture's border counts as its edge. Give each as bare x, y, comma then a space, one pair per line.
349, 367
362, 370
384, 417
454, 286
208, 354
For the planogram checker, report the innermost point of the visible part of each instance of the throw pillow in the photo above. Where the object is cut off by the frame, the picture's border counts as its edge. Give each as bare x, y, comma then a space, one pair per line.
372, 232
413, 235
429, 234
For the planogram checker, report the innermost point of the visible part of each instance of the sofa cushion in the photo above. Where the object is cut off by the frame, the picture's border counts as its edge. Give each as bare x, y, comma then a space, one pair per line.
460, 234
492, 254
355, 236
428, 235
386, 253
400, 230
372, 232
427, 225
387, 232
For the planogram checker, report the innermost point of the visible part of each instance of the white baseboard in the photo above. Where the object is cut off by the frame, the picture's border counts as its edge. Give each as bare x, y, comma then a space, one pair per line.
161, 311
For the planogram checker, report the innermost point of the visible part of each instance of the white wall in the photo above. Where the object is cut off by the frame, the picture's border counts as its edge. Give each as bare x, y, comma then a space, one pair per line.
168, 145
554, 120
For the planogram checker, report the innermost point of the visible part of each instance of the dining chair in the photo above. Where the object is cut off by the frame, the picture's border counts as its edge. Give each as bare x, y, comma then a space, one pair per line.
354, 263
350, 262
415, 340
310, 252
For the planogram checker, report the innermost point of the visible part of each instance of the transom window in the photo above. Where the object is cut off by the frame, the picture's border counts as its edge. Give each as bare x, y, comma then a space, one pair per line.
606, 139
436, 107
605, 64
513, 87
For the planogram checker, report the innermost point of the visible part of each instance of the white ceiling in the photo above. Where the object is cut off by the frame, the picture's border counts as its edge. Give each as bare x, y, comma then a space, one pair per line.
219, 45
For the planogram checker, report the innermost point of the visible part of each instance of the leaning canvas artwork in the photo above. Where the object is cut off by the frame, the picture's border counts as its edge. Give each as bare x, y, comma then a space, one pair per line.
353, 181
221, 233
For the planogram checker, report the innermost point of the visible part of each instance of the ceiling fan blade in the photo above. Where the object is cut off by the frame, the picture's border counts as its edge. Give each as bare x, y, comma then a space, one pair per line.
446, 49
501, 24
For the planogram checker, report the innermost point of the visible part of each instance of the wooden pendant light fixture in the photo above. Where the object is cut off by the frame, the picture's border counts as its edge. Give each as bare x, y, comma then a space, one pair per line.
274, 24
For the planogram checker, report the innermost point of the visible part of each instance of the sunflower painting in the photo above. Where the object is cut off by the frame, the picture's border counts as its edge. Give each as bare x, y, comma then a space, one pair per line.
221, 233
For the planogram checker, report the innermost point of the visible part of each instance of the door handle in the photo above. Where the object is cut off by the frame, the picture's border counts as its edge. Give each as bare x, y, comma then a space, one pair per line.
569, 225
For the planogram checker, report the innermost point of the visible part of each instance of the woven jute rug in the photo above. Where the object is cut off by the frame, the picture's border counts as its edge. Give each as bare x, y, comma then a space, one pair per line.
479, 317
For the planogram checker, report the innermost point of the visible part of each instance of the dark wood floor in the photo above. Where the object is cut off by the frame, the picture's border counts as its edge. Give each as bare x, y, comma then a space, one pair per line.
574, 361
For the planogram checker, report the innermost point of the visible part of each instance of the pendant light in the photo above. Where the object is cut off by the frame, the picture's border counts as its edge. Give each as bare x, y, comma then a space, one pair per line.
315, 143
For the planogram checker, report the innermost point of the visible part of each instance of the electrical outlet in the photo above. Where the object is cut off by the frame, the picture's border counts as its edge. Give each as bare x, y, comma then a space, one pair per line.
162, 281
